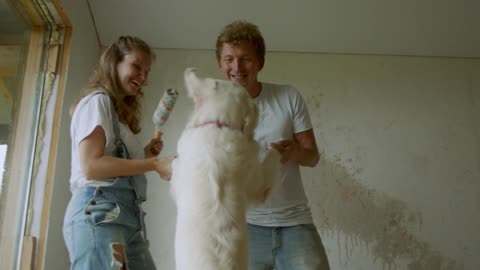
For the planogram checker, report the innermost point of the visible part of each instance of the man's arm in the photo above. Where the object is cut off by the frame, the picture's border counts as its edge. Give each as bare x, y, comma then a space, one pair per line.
302, 149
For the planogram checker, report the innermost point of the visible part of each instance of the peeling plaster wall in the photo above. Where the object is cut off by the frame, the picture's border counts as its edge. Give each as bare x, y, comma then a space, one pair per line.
400, 172
397, 187
401, 157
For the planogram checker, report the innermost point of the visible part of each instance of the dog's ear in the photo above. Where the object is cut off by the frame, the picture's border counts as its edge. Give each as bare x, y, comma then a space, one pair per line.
191, 83
197, 87
251, 119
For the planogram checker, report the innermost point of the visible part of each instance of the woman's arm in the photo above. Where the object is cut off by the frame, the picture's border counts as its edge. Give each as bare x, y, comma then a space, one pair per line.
96, 165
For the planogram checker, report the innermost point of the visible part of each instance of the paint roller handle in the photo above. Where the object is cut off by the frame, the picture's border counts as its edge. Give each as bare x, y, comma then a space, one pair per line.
165, 106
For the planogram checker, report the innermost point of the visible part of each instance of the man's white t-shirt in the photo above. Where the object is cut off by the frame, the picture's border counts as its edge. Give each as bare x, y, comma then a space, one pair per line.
94, 110
282, 113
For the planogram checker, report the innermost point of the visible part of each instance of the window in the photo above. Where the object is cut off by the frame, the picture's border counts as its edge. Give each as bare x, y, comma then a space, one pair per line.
34, 37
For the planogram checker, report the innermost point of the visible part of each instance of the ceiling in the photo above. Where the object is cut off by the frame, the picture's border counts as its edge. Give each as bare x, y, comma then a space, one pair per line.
392, 27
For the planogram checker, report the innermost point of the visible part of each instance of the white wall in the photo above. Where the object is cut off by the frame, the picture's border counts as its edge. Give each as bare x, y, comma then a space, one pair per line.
397, 186
84, 53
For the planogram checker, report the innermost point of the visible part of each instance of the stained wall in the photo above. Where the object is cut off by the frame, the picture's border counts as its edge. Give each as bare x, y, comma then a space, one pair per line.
397, 185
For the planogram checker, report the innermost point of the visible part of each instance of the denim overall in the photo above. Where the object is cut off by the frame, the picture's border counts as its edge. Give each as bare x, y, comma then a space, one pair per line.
99, 221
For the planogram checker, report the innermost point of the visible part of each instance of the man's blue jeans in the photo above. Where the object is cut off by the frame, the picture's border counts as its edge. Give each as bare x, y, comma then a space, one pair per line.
285, 248
103, 229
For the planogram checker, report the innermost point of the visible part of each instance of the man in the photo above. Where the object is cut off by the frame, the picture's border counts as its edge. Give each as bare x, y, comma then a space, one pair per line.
281, 231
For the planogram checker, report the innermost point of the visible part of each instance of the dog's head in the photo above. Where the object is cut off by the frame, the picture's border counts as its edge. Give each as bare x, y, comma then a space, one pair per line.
221, 100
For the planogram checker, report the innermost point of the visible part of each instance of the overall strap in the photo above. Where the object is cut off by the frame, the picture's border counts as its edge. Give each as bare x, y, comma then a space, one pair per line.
121, 148
139, 185
140, 182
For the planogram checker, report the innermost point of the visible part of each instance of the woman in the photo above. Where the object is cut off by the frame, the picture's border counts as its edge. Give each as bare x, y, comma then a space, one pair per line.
103, 226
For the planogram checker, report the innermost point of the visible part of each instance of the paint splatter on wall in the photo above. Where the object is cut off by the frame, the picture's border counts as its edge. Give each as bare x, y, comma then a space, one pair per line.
343, 203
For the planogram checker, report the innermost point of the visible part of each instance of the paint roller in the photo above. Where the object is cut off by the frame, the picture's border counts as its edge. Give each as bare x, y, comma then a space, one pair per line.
165, 106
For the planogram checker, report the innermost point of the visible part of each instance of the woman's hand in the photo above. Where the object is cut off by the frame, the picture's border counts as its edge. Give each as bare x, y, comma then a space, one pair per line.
163, 166
155, 146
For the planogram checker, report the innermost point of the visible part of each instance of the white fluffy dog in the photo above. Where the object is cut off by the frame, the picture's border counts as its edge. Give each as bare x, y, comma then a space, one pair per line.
217, 175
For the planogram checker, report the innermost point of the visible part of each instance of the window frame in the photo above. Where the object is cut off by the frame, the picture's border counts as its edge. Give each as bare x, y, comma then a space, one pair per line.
33, 141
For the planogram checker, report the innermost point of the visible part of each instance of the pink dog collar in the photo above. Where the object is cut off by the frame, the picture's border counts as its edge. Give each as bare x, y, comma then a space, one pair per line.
215, 122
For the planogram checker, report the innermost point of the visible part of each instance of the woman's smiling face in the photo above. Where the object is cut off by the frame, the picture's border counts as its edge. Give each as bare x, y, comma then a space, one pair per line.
132, 72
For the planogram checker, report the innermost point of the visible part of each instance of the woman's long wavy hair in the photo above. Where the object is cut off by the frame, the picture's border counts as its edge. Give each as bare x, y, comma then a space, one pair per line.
105, 78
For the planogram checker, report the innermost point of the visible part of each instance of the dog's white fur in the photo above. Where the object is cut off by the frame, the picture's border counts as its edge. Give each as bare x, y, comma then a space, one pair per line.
217, 175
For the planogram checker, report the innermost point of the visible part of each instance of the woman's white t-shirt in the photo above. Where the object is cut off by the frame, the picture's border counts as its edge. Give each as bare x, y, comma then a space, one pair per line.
92, 111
